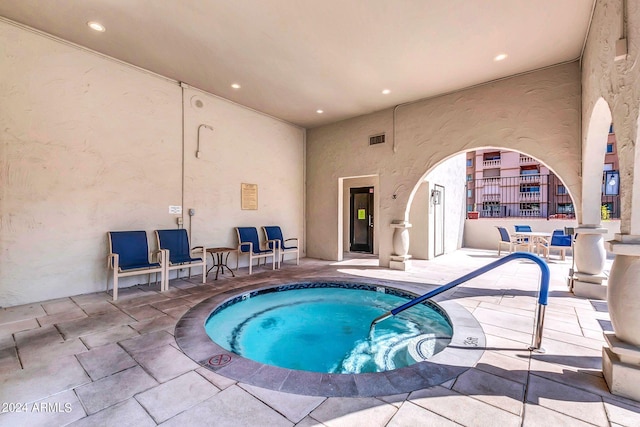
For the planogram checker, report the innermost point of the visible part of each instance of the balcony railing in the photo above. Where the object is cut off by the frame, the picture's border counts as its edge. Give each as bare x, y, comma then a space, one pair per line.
491, 197
530, 212
527, 160
531, 196
491, 163
530, 178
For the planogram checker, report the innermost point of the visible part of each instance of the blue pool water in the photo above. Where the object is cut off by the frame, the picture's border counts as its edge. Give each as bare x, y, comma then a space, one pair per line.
327, 330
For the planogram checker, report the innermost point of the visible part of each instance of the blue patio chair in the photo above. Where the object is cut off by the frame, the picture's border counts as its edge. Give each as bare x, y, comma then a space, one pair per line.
524, 228
176, 242
248, 243
129, 256
507, 239
560, 242
273, 234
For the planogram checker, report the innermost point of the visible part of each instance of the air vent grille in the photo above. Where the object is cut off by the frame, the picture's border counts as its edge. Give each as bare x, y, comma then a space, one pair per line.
376, 139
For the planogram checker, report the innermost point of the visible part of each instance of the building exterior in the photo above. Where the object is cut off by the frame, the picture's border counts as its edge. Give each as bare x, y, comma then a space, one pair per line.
503, 183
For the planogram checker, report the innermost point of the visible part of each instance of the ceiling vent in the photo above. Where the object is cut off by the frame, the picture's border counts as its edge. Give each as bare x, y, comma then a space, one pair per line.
376, 139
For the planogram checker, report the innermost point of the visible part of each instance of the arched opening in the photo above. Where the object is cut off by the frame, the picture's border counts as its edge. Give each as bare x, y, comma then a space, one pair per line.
497, 185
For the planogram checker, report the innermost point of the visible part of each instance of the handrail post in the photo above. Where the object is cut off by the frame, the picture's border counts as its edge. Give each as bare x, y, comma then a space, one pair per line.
542, 298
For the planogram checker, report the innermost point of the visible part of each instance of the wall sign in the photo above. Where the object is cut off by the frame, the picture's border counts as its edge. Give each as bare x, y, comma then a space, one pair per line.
249, 196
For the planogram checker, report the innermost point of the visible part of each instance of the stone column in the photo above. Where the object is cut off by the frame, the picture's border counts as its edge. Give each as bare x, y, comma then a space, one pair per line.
400, 260
590, 256
621, 360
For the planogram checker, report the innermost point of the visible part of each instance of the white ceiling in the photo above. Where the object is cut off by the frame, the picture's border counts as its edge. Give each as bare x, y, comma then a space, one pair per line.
293, 57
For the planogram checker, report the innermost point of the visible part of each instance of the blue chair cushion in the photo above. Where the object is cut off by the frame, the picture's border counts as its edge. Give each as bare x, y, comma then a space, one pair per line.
275, 233
177, 242
504, 235
523, 228
250, 234
560, 239
132, 248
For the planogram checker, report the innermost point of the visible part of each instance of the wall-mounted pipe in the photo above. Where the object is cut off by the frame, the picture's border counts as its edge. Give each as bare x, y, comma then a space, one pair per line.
198, 142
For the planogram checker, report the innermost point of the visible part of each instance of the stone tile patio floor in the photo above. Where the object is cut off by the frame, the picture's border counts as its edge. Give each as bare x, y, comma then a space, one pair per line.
86, 360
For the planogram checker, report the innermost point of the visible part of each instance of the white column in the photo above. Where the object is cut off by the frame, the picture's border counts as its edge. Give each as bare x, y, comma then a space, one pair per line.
400, 260
590, 256
621, 360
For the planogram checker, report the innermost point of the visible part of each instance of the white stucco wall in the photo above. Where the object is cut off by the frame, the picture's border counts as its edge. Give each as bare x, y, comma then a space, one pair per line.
451, 175
536, 113
91, 145
483, 234
618, 83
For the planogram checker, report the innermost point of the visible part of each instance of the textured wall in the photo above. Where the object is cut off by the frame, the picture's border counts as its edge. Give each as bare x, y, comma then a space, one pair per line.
536, 113
618, 84
451, 175
91, 145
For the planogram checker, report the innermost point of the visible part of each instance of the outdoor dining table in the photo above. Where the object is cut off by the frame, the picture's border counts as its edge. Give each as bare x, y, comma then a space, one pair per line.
535, 238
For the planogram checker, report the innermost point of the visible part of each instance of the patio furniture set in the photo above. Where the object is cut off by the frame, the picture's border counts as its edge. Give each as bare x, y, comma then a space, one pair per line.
129, 253
523, 238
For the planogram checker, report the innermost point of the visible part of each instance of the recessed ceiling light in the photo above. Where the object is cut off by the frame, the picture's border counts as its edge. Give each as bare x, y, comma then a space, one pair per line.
96, 26
235, 86
319, 111
386, 91
500, 57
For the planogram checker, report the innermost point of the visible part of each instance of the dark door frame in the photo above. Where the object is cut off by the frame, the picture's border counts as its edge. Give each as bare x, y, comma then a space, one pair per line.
368, 247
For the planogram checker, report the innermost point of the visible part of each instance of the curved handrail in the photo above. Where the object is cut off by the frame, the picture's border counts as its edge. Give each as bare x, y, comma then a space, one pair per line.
542, 298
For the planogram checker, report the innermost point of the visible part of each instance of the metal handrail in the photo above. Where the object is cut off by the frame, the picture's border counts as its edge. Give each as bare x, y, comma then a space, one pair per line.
542, 297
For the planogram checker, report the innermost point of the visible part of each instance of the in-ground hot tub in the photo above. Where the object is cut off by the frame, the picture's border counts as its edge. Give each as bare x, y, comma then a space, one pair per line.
313, 338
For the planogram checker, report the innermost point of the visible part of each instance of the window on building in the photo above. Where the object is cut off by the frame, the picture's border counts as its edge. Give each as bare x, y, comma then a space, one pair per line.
565, 208
469, 163
529, 188
610, 147
469, 192
529, 170
491, 209
530, 206
469, 208
608, 167
490, 173
561, 189
491, 156
611, 128
469, 177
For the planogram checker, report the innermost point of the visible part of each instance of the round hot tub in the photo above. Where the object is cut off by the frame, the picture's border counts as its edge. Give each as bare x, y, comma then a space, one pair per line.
314, 338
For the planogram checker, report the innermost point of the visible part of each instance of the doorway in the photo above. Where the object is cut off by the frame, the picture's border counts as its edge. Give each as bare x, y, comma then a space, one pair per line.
361, 220
437, 202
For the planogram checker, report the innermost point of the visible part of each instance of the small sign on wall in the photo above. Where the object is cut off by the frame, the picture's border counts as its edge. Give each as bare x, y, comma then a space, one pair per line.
175, 210
249, 196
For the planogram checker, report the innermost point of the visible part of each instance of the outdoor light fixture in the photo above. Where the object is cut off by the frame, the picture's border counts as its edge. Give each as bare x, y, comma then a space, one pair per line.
612, 183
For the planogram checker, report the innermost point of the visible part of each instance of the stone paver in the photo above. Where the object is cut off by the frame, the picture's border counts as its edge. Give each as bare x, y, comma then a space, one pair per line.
232, 407
410, 414
109, 336
293, 406
363, 411
126, 414
165, 362
100, 322
122, 365
106, 360
42, 381
175, 396
462, 409
114, 389
566, 400
491, 389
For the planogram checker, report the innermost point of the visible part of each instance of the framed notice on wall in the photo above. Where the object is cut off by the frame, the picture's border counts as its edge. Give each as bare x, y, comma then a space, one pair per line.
249, 196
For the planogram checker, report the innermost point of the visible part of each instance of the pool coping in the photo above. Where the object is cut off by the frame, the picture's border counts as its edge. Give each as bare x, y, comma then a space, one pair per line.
463, 352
